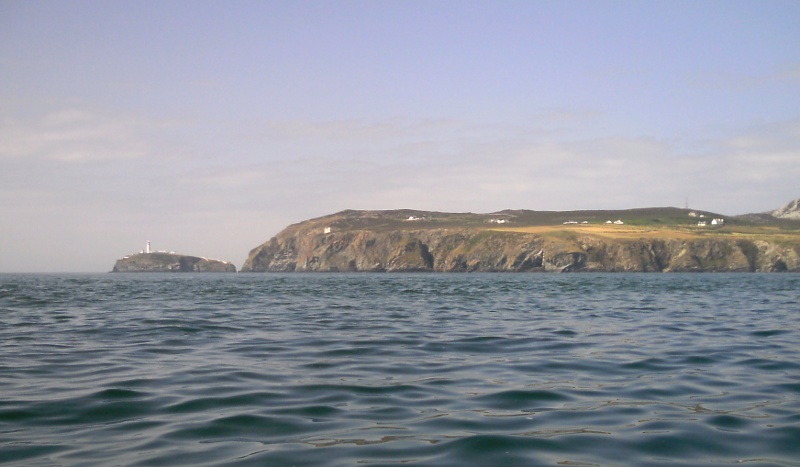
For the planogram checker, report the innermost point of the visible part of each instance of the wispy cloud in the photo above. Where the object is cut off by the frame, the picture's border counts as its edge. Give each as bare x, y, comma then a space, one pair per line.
788, 74
442, 164
622, 171
74, 135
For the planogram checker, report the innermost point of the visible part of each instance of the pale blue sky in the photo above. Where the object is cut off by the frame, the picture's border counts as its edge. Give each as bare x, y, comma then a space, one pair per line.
207, 127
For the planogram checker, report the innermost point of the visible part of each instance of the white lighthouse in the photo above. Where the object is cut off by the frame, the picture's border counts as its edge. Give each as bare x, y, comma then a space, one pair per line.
147, 250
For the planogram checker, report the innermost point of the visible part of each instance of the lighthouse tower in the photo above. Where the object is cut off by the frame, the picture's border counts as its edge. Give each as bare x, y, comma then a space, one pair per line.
147, 250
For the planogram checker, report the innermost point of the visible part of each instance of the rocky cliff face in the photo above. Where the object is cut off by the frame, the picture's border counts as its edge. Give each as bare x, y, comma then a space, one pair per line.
790, 210
169, 262
309, 248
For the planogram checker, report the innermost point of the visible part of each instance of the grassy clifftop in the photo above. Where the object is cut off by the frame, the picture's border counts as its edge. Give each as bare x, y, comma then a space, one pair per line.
644, 222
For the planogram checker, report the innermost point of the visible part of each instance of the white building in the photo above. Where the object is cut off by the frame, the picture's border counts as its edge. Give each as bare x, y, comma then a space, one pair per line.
717, 221
326, 230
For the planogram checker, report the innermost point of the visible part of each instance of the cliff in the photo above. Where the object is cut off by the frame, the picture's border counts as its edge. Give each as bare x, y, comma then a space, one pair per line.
404, 241
170, 262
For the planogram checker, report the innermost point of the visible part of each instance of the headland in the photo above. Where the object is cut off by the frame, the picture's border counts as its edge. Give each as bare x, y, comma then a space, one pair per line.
633, 240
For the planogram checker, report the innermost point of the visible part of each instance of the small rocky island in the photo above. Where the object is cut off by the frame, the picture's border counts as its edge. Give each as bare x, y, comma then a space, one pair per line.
147, 261
632, 240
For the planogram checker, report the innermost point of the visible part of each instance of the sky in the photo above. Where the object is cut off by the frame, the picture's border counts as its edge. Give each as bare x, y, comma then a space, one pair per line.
206, 127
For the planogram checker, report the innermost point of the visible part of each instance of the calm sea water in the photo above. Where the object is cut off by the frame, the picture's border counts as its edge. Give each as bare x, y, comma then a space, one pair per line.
393, 369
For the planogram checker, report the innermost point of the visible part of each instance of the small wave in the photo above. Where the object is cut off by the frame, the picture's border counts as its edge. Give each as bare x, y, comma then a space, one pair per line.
337, 370
243, 427
521, 399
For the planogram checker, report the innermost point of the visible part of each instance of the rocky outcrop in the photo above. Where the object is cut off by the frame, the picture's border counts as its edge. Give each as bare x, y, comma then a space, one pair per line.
790, 210
170, 262
309, 248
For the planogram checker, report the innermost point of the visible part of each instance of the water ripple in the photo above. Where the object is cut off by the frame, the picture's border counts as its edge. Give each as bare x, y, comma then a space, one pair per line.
382, 369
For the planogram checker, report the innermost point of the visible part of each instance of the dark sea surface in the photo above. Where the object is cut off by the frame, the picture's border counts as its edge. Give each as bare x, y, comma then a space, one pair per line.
400, 369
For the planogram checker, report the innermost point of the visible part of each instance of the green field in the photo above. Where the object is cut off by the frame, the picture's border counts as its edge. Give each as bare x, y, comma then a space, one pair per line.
636, 223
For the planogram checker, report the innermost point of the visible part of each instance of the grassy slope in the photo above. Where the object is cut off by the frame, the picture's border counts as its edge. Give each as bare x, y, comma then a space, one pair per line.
679, 232
667, 223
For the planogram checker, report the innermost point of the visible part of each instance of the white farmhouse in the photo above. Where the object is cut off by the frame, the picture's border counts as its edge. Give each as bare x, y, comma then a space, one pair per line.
717, 221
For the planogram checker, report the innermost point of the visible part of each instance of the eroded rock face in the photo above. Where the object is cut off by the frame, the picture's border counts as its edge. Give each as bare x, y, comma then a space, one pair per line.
776, 258
463, 250
790, 210
169, 262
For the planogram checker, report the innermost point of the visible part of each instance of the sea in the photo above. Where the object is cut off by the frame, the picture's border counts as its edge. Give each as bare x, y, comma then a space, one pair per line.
377, 369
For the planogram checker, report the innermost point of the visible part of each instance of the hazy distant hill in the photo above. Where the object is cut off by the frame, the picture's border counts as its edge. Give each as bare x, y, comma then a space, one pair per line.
787, 216
790, 210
